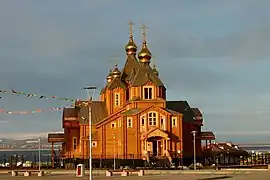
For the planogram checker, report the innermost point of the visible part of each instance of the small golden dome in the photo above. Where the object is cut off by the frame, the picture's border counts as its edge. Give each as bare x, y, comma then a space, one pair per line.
116, 72
110, 76
131, 47
144, 55
155, 70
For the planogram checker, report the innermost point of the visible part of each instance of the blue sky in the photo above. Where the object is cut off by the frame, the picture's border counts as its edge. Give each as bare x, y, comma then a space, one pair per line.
214, 54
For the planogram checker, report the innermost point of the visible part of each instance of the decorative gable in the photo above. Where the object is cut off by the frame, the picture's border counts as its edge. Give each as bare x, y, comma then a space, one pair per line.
116, 83
144, 75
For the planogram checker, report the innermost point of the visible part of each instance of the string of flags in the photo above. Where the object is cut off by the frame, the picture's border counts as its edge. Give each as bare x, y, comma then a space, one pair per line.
31, 95
32, 111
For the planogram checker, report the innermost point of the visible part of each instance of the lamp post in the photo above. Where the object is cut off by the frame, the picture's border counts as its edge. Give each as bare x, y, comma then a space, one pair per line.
194, 148
179, 154
88, 89
39, 154
114, 163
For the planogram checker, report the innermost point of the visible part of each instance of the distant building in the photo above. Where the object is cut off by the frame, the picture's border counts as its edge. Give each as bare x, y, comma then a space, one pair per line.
133, 119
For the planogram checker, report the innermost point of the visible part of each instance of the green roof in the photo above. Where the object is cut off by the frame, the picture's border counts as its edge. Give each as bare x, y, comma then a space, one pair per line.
131, 112
145, 73
116, 82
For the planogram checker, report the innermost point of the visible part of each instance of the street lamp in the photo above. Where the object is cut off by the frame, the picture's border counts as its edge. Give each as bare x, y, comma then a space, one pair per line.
179, 153
114, 163
194, 148
39, 154
88, 89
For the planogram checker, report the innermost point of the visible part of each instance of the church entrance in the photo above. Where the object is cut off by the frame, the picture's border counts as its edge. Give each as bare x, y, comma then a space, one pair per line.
155, 142
154, 148
155, 145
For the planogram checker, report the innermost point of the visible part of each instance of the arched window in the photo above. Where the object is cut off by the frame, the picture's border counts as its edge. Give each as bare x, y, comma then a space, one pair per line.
162, 122
152, 118
142, 120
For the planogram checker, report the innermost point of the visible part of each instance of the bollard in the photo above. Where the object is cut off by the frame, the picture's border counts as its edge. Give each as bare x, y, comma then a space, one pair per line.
141, 173
14, 173
27, 173
80, 170
41, 173
108, 173
124, 173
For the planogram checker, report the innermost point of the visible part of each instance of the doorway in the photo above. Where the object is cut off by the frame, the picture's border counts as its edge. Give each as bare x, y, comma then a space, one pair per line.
154, 148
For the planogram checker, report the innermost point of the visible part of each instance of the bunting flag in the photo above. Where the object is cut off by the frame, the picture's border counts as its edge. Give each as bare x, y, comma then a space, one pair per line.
28, 95
32, 111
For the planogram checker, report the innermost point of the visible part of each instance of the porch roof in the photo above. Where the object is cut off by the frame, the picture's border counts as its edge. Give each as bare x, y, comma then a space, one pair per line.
208, 135
155, 132
56, 137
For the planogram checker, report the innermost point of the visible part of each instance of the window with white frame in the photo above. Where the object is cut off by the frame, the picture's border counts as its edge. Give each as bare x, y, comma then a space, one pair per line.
74, 143
148, 92
152, 118
174, 121
129, 122
117, 99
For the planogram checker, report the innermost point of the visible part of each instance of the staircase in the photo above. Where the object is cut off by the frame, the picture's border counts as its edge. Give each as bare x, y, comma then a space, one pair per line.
147, 158
168, 155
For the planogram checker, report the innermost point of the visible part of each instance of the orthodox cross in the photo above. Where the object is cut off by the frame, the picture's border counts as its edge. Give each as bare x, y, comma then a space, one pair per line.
114, 61
144, 27
154, 61
130, 23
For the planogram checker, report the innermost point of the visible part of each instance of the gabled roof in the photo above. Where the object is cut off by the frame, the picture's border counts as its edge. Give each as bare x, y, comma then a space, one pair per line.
130, 68
172, 111
116, 82
181, 107
99, 111
178, 106
145, 74
131, 112
70, 112
207, 135
196, 112
135, 111
155, 132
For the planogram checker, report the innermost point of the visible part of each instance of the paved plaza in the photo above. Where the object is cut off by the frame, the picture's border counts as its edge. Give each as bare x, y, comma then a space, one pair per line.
239, 176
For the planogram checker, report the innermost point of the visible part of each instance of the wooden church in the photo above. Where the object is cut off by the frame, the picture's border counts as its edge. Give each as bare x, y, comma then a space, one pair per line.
133, 122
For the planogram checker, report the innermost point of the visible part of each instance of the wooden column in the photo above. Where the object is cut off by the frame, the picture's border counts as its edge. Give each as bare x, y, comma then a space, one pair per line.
145, 144
52, 160
157, 148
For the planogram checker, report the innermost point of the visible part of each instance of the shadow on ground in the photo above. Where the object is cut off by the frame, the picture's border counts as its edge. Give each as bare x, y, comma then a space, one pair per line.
220, 177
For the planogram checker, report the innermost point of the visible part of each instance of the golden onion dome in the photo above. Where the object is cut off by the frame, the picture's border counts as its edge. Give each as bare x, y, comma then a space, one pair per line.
155, 70
131, 47
110, 76
116, 72
144, 55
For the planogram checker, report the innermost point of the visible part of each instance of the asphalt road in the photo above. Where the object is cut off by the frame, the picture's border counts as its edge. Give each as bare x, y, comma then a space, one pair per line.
240, 176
